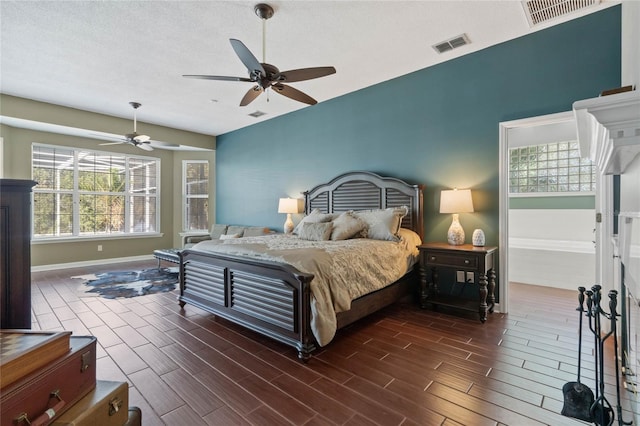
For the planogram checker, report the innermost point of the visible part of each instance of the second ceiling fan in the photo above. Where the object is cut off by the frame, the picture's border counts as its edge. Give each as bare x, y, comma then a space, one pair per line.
266, 75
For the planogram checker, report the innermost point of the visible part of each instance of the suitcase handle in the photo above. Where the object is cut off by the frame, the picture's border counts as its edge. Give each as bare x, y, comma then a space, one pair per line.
45, 417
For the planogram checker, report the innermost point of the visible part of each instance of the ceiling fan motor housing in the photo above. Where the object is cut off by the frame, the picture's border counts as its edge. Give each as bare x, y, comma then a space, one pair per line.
263, 10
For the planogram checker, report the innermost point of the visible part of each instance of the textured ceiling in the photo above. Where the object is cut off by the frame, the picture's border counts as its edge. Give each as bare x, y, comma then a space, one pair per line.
99, 55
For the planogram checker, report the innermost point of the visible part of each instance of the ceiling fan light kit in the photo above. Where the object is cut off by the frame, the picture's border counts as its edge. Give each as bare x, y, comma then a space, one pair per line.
265, 75
141, 141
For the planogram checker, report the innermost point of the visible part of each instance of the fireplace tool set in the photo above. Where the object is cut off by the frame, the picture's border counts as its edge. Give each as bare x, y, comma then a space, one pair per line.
580, 401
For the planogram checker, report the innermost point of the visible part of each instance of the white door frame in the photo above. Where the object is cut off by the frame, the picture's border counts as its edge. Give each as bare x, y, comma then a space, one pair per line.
506, 128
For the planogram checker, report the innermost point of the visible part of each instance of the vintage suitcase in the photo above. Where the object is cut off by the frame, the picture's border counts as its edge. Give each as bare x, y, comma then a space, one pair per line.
49, 391
23, 351
106, 405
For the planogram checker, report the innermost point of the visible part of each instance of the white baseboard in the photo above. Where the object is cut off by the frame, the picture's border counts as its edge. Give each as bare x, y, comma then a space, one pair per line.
83, 264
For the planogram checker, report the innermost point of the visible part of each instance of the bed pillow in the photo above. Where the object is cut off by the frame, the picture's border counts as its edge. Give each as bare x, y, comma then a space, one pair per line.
217, 230
346, 226
316, 231
314, 217
229, 236
383, 224
255, 231
235, 229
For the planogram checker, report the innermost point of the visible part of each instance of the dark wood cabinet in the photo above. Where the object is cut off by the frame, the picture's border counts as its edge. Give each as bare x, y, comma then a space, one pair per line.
15, 253
466, 258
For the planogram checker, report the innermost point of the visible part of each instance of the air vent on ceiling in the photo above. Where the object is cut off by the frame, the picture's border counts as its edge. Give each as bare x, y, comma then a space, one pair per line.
452, 43
539, 11
257, 114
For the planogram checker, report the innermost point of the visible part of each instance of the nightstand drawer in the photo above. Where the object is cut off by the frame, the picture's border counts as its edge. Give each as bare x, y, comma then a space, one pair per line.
445, 259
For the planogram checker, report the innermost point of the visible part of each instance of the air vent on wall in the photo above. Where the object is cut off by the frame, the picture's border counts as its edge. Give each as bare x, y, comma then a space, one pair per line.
539, 11
257, 114
452, 43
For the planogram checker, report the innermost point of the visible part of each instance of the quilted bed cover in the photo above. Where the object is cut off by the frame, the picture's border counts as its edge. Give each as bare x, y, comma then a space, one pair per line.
343, 270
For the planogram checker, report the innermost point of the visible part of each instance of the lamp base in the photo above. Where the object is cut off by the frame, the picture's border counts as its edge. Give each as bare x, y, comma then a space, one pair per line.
288, 224
455, 235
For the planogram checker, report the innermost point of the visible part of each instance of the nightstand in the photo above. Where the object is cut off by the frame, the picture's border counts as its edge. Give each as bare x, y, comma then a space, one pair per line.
466, 258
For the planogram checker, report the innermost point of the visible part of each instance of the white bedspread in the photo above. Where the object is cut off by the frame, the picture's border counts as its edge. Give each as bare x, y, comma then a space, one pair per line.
343, 270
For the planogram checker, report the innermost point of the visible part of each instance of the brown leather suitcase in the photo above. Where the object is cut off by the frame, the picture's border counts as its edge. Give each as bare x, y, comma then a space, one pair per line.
106, 405
46, 393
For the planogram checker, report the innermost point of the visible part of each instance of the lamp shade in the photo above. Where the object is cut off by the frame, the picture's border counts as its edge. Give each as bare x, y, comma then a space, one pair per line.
456, 201
288, 205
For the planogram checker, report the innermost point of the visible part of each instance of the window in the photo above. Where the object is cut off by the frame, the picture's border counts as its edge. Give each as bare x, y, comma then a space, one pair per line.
84, 193
195, 181
550, 168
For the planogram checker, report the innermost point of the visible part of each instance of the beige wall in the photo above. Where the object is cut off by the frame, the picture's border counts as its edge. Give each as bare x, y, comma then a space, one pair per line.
16, 159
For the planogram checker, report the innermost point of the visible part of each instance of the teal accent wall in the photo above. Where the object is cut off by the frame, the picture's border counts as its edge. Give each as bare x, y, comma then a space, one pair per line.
437, 126
580, 202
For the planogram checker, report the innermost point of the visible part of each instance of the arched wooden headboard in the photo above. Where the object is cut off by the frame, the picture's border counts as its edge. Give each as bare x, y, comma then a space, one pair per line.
366, 190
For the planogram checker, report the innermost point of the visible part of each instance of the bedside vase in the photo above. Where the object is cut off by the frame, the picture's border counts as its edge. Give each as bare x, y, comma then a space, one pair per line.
478, 238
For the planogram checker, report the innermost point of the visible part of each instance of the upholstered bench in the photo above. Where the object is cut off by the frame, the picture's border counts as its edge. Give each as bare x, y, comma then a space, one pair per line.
169, 255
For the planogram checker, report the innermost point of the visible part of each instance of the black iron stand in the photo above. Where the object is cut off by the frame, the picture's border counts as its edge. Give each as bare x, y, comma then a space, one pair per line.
601, 410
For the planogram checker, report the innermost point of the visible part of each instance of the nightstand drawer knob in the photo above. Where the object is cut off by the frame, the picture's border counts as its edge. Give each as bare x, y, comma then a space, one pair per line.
433, 258
466, 261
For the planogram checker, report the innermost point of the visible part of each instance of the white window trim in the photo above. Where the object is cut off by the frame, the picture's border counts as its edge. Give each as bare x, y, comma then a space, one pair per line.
76, 225
184, 193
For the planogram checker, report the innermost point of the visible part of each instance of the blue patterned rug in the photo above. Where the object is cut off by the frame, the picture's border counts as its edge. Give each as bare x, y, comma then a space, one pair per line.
112, 285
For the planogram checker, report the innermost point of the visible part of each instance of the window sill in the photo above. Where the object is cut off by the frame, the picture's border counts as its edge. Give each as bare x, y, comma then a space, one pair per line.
36, 241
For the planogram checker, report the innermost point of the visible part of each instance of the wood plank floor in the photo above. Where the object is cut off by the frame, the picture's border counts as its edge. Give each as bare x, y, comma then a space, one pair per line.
401, 366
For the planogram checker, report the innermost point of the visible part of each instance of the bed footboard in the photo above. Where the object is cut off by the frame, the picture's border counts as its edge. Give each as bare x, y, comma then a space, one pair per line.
270, 298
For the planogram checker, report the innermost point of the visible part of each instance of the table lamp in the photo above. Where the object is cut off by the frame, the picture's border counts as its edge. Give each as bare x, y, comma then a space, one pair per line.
288, 206
456, 201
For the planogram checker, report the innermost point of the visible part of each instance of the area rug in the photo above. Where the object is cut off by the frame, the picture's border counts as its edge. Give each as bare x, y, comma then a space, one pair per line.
112, 285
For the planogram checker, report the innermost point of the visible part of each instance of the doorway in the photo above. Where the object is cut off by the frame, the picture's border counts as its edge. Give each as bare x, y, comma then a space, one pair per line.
529, 131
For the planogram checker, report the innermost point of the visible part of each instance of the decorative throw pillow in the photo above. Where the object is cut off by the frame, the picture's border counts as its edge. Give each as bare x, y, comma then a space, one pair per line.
316, 231
346, 226
229, 236
217, 230
255, 231
314, 217
383, 224
235, 229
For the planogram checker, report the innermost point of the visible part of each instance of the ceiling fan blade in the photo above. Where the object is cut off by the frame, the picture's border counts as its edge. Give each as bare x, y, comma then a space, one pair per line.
145, 146
304, 74
247, 58
253, 93
114, 143
218, 77
294, 94
160, 144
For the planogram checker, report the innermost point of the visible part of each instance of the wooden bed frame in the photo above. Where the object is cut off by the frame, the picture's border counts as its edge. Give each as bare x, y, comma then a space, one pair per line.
273, 298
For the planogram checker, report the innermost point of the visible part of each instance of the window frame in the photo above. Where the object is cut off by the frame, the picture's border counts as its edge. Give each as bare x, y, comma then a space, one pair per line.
547, 194
186, 196
128, 194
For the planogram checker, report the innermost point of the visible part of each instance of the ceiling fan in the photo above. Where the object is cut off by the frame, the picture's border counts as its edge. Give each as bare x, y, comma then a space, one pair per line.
141, 141
266, 75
